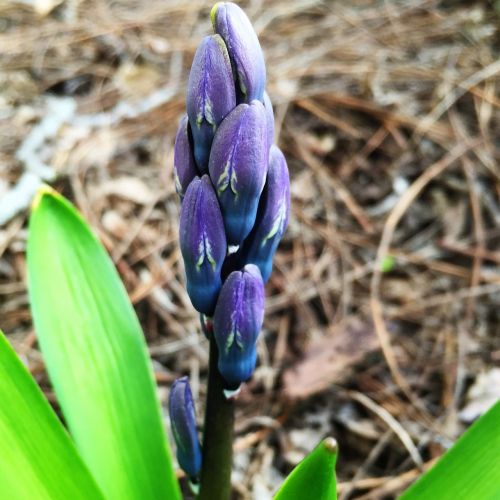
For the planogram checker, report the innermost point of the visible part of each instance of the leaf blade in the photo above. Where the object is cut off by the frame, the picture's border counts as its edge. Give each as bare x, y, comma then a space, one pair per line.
469, 469
38, 458
96, 355
314, 477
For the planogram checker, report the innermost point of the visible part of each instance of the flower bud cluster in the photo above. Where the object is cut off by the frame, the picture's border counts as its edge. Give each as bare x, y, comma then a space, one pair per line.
235, 190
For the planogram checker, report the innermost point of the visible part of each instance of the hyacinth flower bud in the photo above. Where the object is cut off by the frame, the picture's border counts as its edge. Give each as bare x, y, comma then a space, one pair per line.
183, 422
203, 244
237, 322
268, 106
272, 217
238, 166
184, 164
232, 24
210, 96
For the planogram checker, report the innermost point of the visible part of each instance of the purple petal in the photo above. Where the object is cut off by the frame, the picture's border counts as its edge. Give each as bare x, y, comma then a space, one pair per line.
183, 421
203, 244
272, 217
237, 322
210, 95
230, 22
184, 165
238, 166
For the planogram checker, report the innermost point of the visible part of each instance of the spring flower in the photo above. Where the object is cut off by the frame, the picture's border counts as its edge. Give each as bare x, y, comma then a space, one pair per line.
184, 164
183, 421
211, 95
203, 244
234, 187
272, 217
237, 322
232, 24
238, 166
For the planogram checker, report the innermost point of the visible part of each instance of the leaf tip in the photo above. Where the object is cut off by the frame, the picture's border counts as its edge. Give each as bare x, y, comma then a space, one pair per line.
331, 445
43, 190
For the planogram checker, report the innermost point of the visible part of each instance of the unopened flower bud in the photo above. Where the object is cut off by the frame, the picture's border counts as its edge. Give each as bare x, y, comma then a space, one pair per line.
269, 119
238, 166
272, 217
184, 164
237, 322
232, 24
203, 244
210, 95
183, 422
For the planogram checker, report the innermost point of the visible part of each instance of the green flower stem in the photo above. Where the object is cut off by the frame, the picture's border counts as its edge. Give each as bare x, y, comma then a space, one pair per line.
217, 436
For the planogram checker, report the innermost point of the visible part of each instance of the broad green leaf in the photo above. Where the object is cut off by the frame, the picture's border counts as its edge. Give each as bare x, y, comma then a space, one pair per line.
469, 469
96, 355
37, 458
314, 477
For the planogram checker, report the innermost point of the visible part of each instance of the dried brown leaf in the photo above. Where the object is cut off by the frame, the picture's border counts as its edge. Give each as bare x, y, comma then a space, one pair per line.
330, 360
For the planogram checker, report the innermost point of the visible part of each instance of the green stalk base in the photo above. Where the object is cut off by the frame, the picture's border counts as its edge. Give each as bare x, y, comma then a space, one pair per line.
217, 436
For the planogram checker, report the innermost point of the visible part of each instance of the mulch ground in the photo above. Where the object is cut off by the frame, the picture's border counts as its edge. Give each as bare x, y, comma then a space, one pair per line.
383, 311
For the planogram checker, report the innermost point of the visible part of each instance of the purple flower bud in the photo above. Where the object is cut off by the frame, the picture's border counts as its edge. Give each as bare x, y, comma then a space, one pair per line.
237, 322
272, 217
184, 165
269, 119
210, 95
232, 24
238, 166
183, 421
203, 244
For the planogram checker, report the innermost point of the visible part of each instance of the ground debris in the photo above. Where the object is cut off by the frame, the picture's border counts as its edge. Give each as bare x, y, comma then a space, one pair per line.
330, 360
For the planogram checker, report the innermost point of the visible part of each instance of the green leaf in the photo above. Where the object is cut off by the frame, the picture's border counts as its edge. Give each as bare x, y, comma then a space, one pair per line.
96, 355
314, 477
469, 469
38, 459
